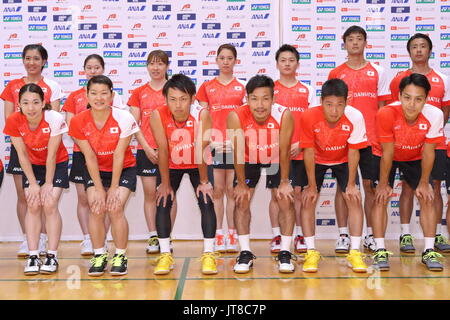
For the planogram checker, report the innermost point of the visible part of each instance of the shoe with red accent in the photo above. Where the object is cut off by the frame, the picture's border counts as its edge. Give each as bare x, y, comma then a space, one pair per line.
275, 245
231, 243
219, 244
299, 244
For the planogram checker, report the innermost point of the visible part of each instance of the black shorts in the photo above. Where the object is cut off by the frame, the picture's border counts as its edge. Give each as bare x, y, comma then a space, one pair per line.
127, 179
176, 175
14, 164
253, 173
297, 174
144, 167
366, 163
78, 167
440, 159
221, 160
447, 176
410, 171
339, 171
60, 179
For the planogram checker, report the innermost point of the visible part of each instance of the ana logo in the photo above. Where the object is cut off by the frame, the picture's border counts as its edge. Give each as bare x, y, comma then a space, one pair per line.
46, 130
423, 126
114, 130
345, 127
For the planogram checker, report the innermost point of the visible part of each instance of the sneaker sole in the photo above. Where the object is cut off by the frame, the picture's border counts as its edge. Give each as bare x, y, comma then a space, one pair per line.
87, 254
163, 272
286, 270
275, 251
210, 272
232, 250
31, 273
341, 251
47, 272
118, 273
358, 270
22, 255
381, 269
310, 270
96, 274
442, 251
300, 250
241, 271
151, 251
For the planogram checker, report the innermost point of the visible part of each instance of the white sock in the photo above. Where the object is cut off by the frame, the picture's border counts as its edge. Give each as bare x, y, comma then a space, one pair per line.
355, 242
164, 245
380, 243
438, 228
310, 243
99, 251
55, 253
232, 231
208, 245
152, 234
276, 231
24, 237
34, 253
429, 243
120, 251
298, 231
369, 231
343, 230
219, 232
43, 236
244, 242
405, 229
286, 243
87, 237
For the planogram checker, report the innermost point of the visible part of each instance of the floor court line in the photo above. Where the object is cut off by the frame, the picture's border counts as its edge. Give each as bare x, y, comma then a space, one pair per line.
182, 281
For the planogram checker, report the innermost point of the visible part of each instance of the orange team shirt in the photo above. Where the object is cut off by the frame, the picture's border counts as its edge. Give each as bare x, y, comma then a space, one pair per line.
120, 124
297, 99
408, 139
36, 141
77, 102
366, 87
439, 95
52, 91
181, 137
147, 100
262, 141
331, 144
221, 99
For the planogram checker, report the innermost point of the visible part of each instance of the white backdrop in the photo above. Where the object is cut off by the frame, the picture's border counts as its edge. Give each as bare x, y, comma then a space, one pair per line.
191, 31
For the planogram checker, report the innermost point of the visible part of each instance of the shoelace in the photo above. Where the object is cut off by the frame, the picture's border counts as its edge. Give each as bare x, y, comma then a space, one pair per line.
219, 240
51, 260
207, 255
286, 257
98, 261
153, 241
440, 239
357, 254
232, 239
165, 255
382, 255
406, 240
117, 260
433, 256
35, 261
310, 253
245, 257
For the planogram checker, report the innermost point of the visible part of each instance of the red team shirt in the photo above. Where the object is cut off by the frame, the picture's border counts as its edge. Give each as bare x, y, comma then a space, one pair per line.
52, 91
77, 102
120, 124
408, 139
181, 137
221, 99
331, 144
262, 141
366, 87
147, 100
297, 99
439, 95
36, 141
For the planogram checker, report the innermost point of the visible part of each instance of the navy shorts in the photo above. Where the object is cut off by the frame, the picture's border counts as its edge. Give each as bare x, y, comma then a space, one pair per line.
297, 174
253, 173
339, 171
14, 164
127, 179
78, 167
60, 179
144, 167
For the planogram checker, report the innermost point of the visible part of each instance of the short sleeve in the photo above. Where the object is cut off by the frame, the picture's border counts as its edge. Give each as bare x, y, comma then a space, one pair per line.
306, 134
383, 90
127, 123
7, 94
75, 128
133, 101
201, 94
358, 137
436, 119
56, 122
12, 125
69, 104
385, 124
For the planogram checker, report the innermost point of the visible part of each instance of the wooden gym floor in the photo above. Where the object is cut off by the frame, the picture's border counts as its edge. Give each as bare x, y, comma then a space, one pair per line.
407, 279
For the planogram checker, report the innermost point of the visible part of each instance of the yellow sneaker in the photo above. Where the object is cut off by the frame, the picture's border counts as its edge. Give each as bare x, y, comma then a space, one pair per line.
164, 264
311, 263
356, 262
209, 263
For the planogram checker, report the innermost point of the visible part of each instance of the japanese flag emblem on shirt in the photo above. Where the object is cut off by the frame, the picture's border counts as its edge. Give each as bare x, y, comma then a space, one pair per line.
370, 73
238, 88
270, 125
422, 126
114, 130
46, 130
189, 123
345, 127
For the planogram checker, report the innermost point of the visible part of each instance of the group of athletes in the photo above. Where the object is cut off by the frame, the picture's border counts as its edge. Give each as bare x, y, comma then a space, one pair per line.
225, 136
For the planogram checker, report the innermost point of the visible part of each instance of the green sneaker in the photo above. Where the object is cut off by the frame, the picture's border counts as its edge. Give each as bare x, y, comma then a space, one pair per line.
431, 259
381, 259
119, 265
98, 266
406, 244
441, 244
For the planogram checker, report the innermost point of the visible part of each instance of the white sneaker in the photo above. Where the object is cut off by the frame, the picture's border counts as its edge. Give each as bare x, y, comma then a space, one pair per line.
244, 262
219, 243
231, 243
343, 244
43, 245
285, 264
153, 245
23, 250
369, 244
32, 266
86, 248
275, 244
50, 265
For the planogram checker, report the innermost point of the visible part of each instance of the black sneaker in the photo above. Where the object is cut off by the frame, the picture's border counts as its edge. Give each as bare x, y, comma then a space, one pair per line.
50, 264
119, 265
244, 262
99, 262
285, 264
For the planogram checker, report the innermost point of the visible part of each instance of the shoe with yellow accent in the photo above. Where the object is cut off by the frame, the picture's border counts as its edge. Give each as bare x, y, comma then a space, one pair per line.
209, 263
356, 262
311, 263
164, 264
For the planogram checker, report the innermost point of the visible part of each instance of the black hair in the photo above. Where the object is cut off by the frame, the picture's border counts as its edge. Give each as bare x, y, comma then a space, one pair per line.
34, 88
259, 81
100, 79
42, 51
354, 29
419, 36
289, 48
229, 47
416, 79
181, 82
96, 57
335, 87
159, 55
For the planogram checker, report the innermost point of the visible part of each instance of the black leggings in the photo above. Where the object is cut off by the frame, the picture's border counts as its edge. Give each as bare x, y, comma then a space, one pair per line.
163, 223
